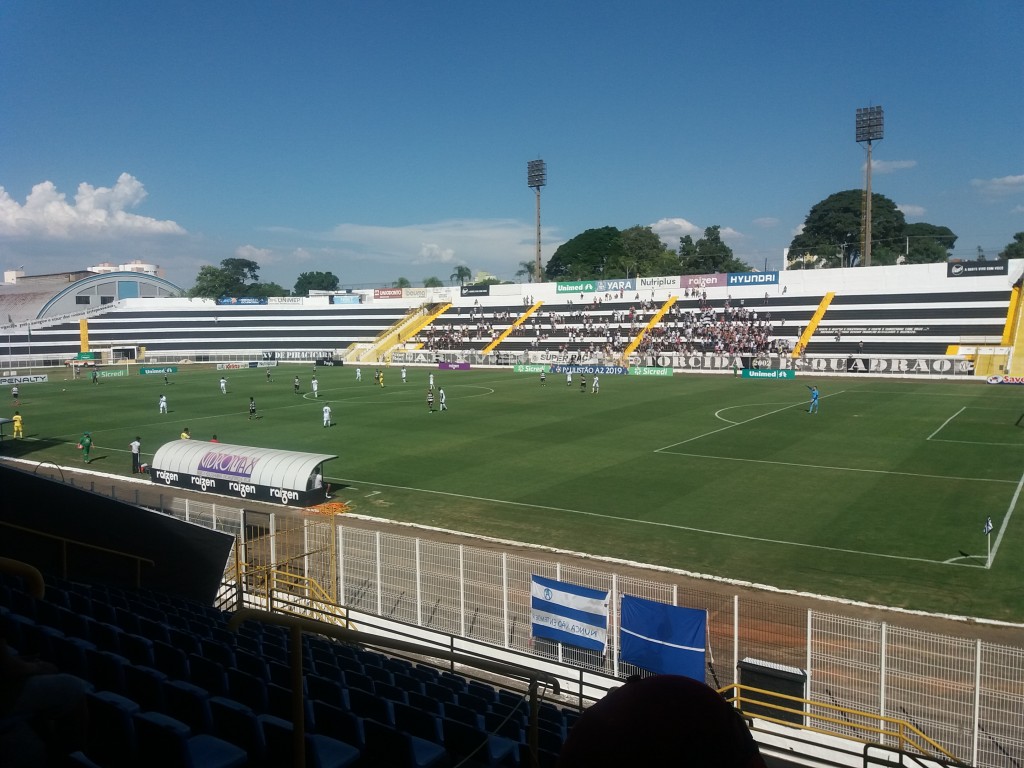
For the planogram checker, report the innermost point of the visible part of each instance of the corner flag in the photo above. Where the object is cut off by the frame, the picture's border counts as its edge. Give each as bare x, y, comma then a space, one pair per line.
988, 526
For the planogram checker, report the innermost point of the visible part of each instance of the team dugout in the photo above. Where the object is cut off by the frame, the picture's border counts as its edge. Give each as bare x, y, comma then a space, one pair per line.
261, 474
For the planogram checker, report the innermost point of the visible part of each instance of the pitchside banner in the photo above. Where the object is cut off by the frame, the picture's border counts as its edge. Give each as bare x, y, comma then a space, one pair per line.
568, 613
976, 268
37, 379
662, 638
602, 370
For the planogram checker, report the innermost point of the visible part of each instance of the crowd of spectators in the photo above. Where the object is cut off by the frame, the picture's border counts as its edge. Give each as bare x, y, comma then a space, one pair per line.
607, 325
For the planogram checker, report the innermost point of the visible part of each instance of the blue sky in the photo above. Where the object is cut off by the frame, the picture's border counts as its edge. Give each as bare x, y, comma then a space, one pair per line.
380, 140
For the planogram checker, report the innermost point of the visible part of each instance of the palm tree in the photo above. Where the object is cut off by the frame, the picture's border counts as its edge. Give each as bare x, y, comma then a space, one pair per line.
433, 282
526, 269
462, 273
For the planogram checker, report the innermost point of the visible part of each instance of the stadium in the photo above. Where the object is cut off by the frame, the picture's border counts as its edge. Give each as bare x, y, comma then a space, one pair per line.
643, 444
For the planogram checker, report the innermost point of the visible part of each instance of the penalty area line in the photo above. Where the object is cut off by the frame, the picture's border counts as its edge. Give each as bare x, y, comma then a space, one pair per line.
653, 523
737, 423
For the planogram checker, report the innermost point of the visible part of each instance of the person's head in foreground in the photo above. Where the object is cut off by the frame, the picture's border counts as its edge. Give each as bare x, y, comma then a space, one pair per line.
664, 720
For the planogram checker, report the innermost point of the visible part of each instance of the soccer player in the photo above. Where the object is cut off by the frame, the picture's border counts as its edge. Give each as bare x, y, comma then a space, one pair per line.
252, 409
315, 385
543, 377
403, 374
430, 400
596, 386
136, 446
327, 415
431, 383
442, 400
568, 378
268, 376
18, 429
14, 394
583, 383
162, 402
85, 443
223, 385
185, 434
295, 385
380, 379
359, 374
814, 400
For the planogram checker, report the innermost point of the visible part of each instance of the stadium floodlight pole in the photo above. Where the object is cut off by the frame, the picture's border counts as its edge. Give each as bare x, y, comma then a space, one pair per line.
869, 129
537, 177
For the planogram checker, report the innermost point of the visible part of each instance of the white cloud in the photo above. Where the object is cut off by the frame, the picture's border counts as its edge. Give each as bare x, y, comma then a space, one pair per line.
253, 253
798, 230
888, 166
911, 211
766, 222
670, 230
998, 187
97, 212
1017, 209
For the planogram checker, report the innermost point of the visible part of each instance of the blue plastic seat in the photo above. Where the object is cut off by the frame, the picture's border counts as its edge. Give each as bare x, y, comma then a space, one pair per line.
465, 742
371, 706
338, 723
386, 745
111, 735
238, 724
164, 742
321, 751
188, 703
145, 685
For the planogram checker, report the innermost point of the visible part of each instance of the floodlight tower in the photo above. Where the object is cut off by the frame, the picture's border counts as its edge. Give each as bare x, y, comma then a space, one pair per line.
869, 129
537, 177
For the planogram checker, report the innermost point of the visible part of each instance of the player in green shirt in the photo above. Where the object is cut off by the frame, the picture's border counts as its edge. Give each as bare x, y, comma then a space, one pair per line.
85, 443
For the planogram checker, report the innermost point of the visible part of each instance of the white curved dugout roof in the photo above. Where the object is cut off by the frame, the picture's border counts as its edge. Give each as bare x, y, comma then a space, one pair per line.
263, 468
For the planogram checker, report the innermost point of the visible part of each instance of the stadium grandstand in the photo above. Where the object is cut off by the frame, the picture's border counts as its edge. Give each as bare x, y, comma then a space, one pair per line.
292, 637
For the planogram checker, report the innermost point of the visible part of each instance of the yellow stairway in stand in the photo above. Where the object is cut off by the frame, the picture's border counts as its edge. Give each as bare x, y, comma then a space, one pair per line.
399, 333
805, 337
643, 331
490, 347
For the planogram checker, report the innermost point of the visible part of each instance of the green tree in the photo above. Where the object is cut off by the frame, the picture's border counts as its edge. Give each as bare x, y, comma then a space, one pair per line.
402, 282
461, 274
832, 231
927, 243
265, 289
433, 282
643, 251
708, 255
315, 281
230, 279
586, 255
1014, 250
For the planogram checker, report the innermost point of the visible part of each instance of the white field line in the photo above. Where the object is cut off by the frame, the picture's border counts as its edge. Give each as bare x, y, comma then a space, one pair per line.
1006, 522
737, 423
943, 426
837, 469
629, 520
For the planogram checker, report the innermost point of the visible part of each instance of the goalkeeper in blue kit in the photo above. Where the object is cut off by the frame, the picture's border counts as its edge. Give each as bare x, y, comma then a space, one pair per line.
814, 400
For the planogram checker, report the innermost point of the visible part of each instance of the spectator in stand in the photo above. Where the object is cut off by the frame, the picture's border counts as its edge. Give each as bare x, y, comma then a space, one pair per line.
663, 720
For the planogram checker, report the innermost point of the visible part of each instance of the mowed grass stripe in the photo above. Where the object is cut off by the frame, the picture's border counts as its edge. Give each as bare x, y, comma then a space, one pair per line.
854, 501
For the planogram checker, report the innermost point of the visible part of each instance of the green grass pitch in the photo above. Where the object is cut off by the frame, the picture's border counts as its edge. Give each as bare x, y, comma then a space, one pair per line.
880, 497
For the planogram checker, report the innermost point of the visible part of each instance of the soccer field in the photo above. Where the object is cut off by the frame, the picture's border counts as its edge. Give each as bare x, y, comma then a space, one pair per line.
881, 497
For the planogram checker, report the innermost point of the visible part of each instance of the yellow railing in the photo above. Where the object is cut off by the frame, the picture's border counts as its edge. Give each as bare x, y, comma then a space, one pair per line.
643, 331
519, 321
805, 337
832, 719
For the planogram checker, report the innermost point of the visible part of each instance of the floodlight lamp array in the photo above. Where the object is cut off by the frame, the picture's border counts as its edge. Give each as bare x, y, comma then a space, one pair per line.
870, 124
536, 173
